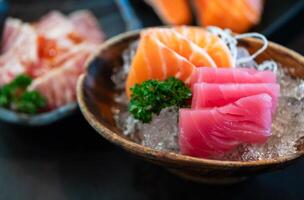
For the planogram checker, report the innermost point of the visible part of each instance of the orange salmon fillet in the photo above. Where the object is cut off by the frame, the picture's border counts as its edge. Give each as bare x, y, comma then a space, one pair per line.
174, 12
237, 15
166, 52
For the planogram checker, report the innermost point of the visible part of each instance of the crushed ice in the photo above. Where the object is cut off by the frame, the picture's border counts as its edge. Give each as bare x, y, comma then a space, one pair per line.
120, 74
165, 125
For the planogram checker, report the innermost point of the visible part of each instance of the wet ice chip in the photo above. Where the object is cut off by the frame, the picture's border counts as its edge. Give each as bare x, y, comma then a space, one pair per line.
162, 132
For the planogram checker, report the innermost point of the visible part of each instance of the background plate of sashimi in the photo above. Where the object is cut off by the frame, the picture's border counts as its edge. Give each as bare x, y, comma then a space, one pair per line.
113, 22
29, 12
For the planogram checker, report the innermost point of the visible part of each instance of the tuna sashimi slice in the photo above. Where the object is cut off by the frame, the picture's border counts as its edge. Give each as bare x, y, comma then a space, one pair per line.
216, 95
233, 75
213, 131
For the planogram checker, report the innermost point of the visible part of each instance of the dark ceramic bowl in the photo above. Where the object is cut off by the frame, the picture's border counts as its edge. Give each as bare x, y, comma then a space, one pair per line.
95, 92
41, 119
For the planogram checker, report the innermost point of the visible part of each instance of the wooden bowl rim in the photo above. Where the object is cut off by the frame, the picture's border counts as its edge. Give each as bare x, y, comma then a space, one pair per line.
171, 157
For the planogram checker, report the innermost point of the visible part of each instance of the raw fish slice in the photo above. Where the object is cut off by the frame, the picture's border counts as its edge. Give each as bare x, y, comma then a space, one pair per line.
59, 85
193, 138
233, 75
169, 62
19, 49
173, 65
183, 46
57, 28
74, 52
49, 50
237, 15
216, 95
214, 46
59, 46
10, 33
86, 25
165, 52
54, 25
10, 69
175, 12
213, 131
20, 41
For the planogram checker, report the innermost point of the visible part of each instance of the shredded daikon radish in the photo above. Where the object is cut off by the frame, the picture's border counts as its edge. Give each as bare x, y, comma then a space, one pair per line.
231, 42
258, 52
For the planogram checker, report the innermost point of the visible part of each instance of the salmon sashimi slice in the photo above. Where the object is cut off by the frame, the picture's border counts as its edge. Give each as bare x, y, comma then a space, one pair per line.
175, 12
213, 131
166, 52
235, 75
237, 15
216, 95
214, 46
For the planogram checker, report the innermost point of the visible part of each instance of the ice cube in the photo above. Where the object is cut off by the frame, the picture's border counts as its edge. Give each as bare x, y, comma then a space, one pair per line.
120, 74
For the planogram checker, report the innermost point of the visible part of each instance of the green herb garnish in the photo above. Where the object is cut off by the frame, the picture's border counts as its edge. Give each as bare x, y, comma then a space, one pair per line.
15, 96
152, 96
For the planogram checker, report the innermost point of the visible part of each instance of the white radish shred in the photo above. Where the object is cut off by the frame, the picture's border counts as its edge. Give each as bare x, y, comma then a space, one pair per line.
258, 52
231, 42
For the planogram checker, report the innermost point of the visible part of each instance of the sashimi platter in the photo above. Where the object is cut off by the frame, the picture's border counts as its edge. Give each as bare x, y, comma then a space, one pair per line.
197, 92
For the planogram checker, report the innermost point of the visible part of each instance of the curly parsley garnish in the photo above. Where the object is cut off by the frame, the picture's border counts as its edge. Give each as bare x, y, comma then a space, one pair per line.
15, 96
152, 96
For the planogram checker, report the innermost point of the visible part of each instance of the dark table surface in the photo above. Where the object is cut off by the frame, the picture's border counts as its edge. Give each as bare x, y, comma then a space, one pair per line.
69, 160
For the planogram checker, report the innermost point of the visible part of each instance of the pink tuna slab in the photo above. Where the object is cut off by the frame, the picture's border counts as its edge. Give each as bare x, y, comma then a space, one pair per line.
231, 75
214, 131
211, 95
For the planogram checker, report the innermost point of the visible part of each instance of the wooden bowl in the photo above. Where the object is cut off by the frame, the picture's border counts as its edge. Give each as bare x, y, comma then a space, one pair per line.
95, 92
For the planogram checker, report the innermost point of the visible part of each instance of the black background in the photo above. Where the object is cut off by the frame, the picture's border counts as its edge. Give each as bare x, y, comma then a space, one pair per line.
69, 160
